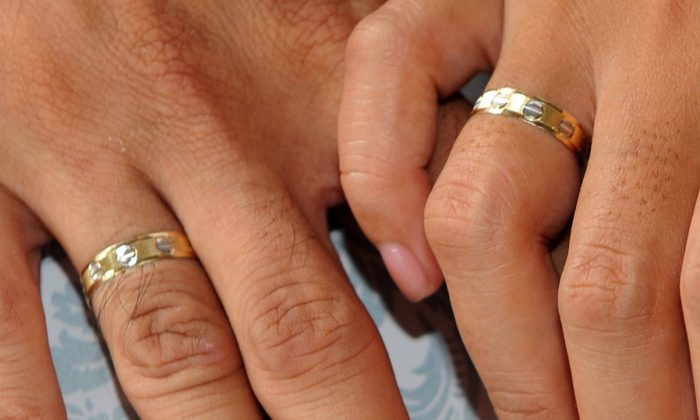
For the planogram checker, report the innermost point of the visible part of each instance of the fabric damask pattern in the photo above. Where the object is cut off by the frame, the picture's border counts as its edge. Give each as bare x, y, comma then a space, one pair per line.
434, 373
84, 372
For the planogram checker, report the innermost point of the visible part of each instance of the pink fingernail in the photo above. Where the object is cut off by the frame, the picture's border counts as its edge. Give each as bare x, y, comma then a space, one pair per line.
406, 271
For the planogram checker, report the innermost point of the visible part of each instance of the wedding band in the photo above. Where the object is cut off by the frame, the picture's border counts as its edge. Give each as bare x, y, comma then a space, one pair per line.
115, 260
534, 111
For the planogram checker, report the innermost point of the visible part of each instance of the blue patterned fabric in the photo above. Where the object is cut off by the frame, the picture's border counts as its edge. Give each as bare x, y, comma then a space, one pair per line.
435, 375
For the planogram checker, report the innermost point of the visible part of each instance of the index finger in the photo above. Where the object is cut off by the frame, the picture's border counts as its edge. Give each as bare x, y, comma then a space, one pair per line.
397, 69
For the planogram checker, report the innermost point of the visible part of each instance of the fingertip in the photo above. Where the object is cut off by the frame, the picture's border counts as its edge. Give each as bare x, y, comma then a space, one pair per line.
415, 280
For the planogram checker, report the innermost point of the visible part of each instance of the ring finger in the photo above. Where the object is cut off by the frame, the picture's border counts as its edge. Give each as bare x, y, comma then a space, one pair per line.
170, 341
619, 296
507, 190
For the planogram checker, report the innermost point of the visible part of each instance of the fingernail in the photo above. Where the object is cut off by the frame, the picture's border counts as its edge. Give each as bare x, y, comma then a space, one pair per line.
406, 271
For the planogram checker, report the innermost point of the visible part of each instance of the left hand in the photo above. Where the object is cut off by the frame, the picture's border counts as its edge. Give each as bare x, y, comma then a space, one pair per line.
211, 118
609, 340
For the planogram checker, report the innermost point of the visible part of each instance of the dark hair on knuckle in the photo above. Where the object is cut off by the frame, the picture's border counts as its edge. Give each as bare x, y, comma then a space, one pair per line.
145, 279
114, 292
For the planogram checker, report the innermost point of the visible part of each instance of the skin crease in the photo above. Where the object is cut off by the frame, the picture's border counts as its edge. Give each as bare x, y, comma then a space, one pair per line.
216, 117
153, 108
606, 339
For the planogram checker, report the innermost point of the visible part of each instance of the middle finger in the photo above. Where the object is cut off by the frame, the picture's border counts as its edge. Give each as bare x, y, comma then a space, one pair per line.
310, 348
507, 190
619, 297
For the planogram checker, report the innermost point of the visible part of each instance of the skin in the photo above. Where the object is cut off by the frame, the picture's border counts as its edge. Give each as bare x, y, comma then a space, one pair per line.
217, 118
615, 334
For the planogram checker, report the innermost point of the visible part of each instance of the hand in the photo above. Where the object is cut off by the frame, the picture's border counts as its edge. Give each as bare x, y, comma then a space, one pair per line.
120, 118
608, 340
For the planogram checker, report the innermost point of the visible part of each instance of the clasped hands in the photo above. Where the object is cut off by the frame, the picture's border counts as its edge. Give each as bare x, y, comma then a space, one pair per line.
224, 119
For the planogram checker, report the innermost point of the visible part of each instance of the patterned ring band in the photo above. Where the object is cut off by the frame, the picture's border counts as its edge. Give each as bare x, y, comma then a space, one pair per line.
119, 258
534, 111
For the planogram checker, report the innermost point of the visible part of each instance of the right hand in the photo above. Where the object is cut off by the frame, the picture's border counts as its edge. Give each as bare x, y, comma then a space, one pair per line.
606, 337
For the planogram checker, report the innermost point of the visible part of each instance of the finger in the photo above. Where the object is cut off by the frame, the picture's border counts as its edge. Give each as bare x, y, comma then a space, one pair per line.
310, 348
172, 347
28, 384
398, 66
619, 297
507, 190
452, 116
690, 296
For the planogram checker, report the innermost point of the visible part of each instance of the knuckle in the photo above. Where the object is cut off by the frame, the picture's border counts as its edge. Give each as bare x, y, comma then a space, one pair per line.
158, 45
605, 287
303, 328
161, 336
161, 340
478, 196
171, 60
312, 24
463, 208
159, 329
458, 210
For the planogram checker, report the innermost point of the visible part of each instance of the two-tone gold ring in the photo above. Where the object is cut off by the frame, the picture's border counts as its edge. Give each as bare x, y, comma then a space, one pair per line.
119, 258
534, 111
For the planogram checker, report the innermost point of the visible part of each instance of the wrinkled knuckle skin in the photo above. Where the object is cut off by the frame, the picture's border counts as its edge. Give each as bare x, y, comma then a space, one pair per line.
477, 202
607, 289
162, 46
304, 330
312, 24
466, 215
167, 331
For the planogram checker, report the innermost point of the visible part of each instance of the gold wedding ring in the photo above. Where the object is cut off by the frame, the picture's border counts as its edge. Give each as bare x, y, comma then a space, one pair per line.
119, 258
534, 111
